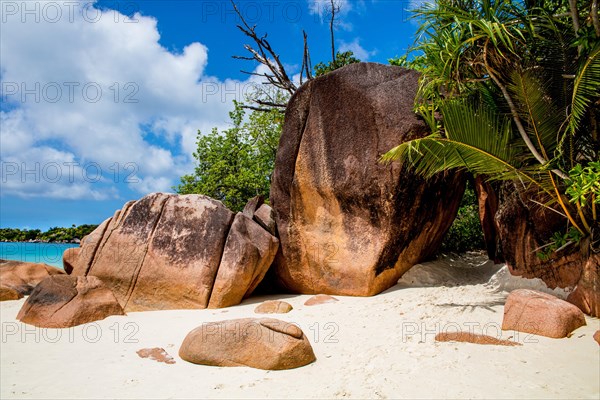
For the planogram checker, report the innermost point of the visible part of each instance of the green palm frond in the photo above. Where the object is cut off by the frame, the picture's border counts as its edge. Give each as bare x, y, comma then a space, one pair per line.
477, 140
555, 57
586, 87
542, 118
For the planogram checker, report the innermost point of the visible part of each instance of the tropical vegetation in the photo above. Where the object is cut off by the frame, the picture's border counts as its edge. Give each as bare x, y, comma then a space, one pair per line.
236, 164
510, 90
55, 234
341, 59
465, 233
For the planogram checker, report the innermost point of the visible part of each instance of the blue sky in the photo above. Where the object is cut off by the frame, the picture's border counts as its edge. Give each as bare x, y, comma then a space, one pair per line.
101, 101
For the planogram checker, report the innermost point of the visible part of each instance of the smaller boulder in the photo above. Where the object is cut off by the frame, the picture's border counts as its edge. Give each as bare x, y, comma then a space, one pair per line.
586, 295
247, 256
266, 218
9, 294
320, 299
542, 314
70, 259
252, 205
24, 276
597, 336
273, 307
469, 337
262, 343
63, 301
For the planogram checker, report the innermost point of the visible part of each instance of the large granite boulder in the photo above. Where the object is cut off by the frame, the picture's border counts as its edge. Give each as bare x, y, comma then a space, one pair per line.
516, 227
347, 223
540, 313
62, 301
168, 251
22, 277
263, 343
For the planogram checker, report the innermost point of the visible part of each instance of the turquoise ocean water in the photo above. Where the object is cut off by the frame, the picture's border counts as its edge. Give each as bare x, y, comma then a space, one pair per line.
48, 253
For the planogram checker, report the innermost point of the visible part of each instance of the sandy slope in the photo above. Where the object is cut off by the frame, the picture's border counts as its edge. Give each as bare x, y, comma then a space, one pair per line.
379, 347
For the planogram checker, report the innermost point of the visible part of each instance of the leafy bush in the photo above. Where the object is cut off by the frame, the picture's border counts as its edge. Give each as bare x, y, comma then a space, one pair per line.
341, 59
465, 234
236, 164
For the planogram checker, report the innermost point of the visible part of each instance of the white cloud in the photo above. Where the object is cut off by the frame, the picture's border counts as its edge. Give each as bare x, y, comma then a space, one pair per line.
359, 52
322, 8
51, 173
91, 88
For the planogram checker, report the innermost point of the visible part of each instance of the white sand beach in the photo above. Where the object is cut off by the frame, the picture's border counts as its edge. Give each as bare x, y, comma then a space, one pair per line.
377, 347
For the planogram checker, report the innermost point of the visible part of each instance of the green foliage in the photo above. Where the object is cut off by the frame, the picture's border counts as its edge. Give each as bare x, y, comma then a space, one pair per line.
476, 139
417, 63
583, 187
341, 59
54, 234
558, 242
586, 87
236, 164
510, 94
465, 234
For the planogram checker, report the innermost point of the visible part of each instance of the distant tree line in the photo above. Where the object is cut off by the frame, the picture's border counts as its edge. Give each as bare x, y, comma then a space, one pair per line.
55, 234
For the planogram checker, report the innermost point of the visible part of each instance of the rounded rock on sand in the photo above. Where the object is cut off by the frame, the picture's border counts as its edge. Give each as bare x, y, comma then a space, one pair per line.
273, 307
320, 299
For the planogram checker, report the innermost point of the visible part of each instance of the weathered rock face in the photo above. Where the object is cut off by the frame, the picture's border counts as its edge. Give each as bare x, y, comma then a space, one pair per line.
70, 257
263, 343
523, 227
9, 294
24, 276
320, 299
168, 251
273, 307
347, 223
516, 227
266, 218
488, 206
586, 295
248, 254
539, 313
63, 301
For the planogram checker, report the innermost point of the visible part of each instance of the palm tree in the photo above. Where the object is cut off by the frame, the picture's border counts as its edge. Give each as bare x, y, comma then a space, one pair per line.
511, 92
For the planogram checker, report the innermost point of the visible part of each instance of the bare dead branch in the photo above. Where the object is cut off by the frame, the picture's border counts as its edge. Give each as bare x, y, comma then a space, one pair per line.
270, 103
277, 76
254, 108
264, 54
